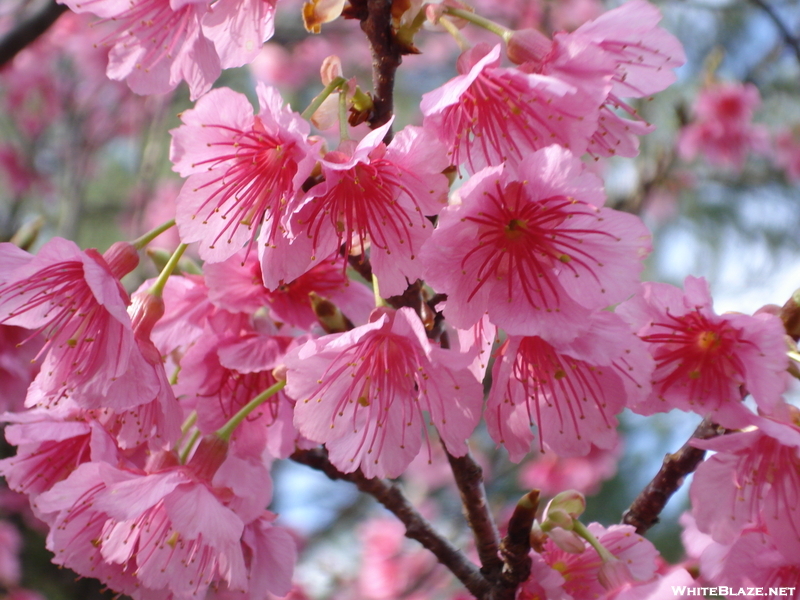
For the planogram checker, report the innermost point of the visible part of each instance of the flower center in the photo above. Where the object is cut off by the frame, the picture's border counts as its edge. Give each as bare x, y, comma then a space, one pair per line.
708, 340
515, 229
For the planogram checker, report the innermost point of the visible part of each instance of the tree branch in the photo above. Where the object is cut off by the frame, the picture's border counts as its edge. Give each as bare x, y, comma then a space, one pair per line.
417, 527
787, 35
376, 23
469, 478
516, 546
27, 31
643, 512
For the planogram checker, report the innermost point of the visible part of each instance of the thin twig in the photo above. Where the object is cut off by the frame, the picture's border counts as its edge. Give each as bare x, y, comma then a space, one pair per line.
417, 527
27, 31
469, 478
787, 35
643, 512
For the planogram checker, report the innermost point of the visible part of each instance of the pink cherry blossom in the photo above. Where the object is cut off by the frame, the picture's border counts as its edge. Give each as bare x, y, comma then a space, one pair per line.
372, 194
665, 585
751, 479
156, 422
534, 248
552, 474
51, 444
703, 359
362, 393
489, 115
751, 560
172, 530
579, 573
570, 392
242, 170
220, 375
644, 54
236, 285
10, 546
187, 308
723, 132
16, 367
76, 299
787, 153
389, 568
239, 29
625, 45
157, 44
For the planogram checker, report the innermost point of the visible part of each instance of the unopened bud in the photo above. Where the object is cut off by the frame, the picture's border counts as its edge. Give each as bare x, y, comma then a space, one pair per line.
570, 501
790, 315
528, 46
331, 69
330, 317
145, 311
279, 372
317, 12
161, 460
122, 258
557, 518
210, 454
26, 235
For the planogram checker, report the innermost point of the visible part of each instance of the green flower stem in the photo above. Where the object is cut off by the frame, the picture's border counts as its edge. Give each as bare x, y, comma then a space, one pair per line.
582, 531
480, 21
225, 432
158, 286
189, 422
317, 102
379, 301
343, 135
189, 445
148, 237
462, 42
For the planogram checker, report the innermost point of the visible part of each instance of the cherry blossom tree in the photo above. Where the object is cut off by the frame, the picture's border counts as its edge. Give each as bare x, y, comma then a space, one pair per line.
422, 288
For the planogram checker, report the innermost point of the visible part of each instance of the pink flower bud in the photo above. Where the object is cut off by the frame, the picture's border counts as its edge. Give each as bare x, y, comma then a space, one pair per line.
122, 258
145, 311
209, 456
528, 46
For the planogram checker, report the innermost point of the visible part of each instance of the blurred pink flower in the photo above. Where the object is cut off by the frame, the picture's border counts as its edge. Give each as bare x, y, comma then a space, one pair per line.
787, 153
723, 132
552, 474
10, 546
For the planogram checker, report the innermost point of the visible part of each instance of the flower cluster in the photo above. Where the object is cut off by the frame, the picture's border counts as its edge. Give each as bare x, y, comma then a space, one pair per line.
154, 418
